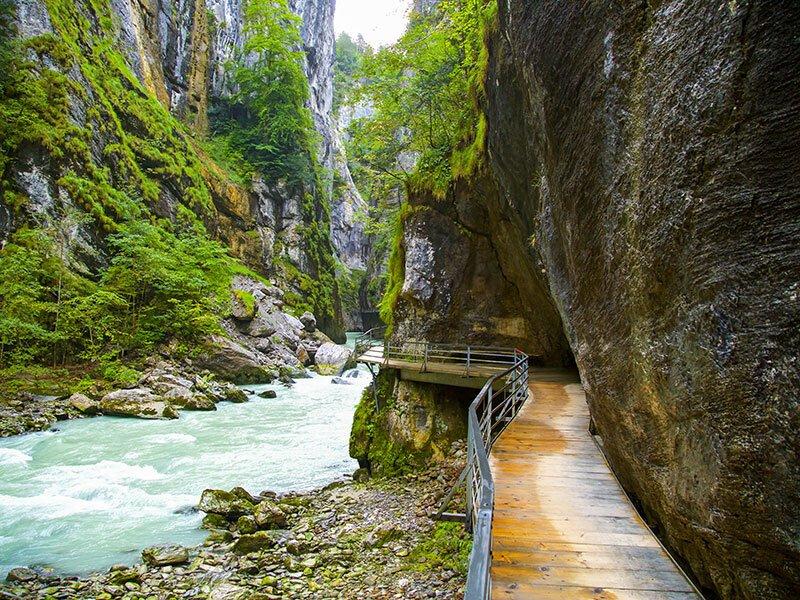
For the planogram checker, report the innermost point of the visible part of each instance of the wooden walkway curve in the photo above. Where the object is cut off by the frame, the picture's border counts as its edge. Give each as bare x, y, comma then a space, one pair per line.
562, 526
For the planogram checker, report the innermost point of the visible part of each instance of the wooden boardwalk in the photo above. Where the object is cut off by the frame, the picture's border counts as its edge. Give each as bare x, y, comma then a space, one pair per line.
562, 527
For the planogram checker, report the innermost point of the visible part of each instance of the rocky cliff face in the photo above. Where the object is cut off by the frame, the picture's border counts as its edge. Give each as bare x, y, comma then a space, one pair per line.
643, 170
177, 52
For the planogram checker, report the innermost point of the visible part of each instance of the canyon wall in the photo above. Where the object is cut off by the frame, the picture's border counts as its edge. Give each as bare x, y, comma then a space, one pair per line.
642, 195
178, 52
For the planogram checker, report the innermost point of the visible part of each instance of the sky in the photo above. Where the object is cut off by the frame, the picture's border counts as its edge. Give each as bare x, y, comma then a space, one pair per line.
381, 22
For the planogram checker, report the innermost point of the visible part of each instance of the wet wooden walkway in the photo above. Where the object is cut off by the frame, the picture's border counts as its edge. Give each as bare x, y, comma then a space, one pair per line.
562, 527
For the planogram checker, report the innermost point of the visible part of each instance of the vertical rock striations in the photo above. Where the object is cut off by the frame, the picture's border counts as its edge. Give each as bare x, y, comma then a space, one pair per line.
648, 155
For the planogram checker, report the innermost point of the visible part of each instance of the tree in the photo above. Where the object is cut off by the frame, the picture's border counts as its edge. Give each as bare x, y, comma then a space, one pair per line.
426, 91
267, 121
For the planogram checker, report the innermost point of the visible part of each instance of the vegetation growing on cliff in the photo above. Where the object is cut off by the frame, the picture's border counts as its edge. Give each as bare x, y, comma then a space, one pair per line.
266, 122
427, 127
426, 91
95, 273
158, 285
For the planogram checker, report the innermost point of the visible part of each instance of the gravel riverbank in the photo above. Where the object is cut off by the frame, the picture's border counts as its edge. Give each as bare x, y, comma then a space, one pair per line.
370, 539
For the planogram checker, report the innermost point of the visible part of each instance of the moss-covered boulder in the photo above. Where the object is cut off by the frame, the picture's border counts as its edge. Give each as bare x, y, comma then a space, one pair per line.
141, 403
256, 542
230, 505
269, 515
416, 424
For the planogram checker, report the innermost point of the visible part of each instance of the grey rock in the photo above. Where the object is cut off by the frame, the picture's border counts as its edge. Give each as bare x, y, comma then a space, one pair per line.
231, 360
256, 542
84, 404
137, 402
269, 515
309, 321
331, 359
159, 556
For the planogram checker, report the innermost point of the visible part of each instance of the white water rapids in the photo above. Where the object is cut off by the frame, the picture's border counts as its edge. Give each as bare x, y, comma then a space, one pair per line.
97, 491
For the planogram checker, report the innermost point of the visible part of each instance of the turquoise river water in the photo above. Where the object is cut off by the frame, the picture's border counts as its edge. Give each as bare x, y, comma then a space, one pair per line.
96, 491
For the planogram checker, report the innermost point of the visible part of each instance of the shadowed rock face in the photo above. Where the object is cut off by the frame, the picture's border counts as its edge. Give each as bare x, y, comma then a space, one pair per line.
657, 163
643, 166
472, 278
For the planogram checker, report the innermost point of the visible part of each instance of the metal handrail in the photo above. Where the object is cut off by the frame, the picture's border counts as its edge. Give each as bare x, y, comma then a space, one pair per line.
424, 352
493, 409
489, 414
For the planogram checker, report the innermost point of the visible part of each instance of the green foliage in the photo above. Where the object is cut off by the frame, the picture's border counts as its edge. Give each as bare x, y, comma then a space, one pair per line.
349, 281
267, 122
25, 313
427, 91
447, 548
158, 286
348, 57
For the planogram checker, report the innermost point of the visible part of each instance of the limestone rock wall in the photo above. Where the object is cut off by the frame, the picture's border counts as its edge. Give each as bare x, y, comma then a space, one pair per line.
645, 181
179, 51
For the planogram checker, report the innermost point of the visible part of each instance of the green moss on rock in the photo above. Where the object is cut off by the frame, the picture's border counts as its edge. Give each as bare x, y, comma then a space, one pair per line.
416, 424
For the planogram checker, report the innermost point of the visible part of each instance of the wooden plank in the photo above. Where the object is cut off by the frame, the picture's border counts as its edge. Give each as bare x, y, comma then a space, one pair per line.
665, 580
562, 525
512, 590
631, 558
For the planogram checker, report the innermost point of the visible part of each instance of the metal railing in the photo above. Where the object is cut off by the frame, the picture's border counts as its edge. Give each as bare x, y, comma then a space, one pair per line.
494, 407
370, 339
490, 413
473, 359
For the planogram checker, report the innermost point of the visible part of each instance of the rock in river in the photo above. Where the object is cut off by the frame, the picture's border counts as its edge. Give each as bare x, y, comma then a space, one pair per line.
137, 402
332, 359
21, 575
228, 504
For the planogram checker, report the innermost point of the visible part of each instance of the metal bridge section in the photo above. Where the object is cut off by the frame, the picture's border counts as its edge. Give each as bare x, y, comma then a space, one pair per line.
461, 363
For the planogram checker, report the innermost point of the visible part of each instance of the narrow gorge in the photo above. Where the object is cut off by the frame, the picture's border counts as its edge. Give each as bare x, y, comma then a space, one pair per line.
240, 242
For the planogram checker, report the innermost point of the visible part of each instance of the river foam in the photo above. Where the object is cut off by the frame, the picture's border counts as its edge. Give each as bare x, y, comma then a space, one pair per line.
99, 490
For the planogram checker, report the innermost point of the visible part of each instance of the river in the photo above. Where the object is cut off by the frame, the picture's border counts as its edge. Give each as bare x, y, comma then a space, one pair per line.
94, 492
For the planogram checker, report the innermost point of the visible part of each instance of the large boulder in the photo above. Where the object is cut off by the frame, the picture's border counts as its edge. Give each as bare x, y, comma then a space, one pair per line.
160, 556
141, 403
332, 359
231, 504
279, 326
232, 361
84, 404
189, 400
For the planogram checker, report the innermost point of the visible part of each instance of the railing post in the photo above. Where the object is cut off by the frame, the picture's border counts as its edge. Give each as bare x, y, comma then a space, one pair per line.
425, 362
470, 478
489, 433
468, 359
